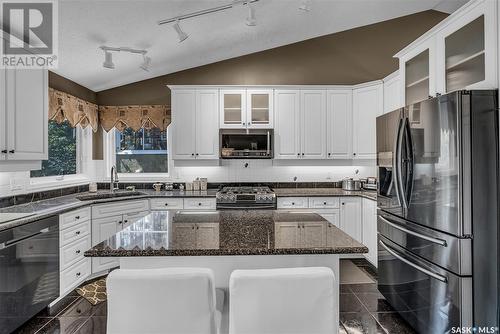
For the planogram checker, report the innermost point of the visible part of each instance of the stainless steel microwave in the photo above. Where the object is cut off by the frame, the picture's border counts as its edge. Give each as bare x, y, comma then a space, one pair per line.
246, 144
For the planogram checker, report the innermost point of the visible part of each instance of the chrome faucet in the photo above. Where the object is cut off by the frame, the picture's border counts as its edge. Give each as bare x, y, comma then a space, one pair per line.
113, 184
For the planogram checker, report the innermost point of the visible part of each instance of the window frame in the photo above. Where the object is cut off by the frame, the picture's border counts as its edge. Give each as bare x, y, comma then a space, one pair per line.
110, 159
83, 151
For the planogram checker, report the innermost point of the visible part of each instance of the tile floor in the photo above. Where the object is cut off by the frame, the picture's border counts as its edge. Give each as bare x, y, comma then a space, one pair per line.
362, 310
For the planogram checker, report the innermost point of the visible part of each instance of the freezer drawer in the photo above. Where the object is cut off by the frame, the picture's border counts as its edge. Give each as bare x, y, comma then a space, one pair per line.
430, 298
447, 251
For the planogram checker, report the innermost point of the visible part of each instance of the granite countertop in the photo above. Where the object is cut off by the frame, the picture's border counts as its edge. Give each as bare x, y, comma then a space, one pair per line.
228, 232
316, 192
55, 206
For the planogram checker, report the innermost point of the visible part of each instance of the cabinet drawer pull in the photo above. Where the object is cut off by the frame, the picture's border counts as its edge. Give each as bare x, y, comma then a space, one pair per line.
12, 151
4, 151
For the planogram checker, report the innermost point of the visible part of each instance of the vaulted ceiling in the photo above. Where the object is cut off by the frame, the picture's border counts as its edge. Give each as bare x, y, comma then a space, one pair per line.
84, 25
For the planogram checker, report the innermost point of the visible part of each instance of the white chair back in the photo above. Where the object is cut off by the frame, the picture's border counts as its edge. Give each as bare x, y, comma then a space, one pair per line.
283, 301
170, 300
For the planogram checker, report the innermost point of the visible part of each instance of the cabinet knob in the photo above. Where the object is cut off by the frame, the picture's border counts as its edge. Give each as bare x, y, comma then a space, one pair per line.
4, 151
329, 154
298, 154
120, 222
192, 154
343, 203
192, 227
126, 221
78, 251
249, 123
302, 154
78, 274
197, 154
197, 227
199, 204
293, 203
77, 232
324, 203
166, 204
243, 123
354, 154
77, 217
12, 151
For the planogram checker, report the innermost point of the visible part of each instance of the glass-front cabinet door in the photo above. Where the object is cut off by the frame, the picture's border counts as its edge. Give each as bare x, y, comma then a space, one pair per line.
233, 108
417, 78
467, 49
259, 108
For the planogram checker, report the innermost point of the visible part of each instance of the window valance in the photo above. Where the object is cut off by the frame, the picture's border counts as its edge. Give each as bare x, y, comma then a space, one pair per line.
66, 107
134, 117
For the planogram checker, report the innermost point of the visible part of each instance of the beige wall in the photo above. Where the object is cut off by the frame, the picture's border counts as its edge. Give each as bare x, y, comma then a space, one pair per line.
349, 57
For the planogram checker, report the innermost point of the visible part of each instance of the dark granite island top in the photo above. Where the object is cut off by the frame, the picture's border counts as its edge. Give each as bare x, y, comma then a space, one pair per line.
231, 232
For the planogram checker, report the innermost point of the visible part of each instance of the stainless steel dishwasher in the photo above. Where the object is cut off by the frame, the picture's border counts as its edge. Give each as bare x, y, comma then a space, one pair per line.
29, 271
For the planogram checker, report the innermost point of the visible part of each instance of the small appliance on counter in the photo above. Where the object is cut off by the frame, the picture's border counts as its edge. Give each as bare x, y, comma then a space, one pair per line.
169, 186
370, 183
351, 184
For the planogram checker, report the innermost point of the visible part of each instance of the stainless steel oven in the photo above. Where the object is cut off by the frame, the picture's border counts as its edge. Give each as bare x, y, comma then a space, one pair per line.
246, 144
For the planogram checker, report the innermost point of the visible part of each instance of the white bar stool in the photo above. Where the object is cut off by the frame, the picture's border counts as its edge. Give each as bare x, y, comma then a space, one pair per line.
283, 301
167, 300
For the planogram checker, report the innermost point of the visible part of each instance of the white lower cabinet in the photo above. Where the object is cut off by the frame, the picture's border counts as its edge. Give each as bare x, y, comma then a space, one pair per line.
300, 235
199, 203
293, 203
370, 229
199, 236
350, 217
166, 203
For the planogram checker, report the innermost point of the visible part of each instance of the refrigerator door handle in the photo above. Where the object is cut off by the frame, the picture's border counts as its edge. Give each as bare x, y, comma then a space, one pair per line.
408, 184
417, 267
418, 235
397, 165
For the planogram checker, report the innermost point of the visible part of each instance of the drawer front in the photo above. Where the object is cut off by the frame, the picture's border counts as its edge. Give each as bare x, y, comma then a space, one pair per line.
167, 203
76, 232
199, 203
75, 275
324, 202
73, 252
131, 218
292, 203
122, 207
73, 218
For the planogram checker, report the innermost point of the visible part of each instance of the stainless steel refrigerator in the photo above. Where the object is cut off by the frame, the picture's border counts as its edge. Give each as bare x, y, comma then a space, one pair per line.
438, 211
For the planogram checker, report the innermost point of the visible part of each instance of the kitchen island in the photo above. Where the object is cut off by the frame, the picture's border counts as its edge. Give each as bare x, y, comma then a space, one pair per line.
228, 240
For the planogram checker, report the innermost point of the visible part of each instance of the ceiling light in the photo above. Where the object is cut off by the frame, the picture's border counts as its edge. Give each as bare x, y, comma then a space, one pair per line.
108, 60
146, 64
305, 6
251, 20
180, 33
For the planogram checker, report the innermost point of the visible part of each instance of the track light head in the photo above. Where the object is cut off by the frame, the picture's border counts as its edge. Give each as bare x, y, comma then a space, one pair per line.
108, 60
146, 64
305, 6
180, 33
251, 20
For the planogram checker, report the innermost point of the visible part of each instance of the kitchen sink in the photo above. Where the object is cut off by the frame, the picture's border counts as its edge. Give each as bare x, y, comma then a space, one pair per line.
108, 194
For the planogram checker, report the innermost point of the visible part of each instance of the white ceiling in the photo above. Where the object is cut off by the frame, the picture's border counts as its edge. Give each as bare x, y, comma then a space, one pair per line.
84, 25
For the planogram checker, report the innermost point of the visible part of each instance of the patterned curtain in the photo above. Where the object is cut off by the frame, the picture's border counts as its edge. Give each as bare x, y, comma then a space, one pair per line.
66, 107
134, 117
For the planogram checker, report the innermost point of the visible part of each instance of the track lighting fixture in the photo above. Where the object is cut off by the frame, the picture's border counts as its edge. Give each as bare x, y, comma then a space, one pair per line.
146, 63
180, 33
305, 6
251, 20
108, 60
108, 56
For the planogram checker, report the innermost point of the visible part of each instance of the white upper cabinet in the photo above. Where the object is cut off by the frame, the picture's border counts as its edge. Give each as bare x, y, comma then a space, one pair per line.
339, 123
300, 130
287, 127
467, 48
260, 105
207, 134
367, 106
393, 98
195, 124
458, 53
313, 121
25, 115
3, 119
246, 108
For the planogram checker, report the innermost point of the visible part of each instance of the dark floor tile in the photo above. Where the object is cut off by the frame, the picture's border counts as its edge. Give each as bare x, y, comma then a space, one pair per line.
393, 323
350, 303
375, 302
80, 308
361, 322
63, 325
93, 325
58, 308
33, 325
370, 287
342, 329
344, 288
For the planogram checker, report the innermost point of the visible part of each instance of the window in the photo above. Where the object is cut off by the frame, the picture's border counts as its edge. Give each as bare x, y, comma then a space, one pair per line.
143, 151
62, 151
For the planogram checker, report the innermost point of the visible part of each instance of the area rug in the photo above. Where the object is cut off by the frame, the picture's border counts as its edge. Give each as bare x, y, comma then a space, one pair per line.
94, 292
352, 274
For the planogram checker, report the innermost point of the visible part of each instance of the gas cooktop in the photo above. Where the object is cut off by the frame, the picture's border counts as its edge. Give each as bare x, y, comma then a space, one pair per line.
246, 198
